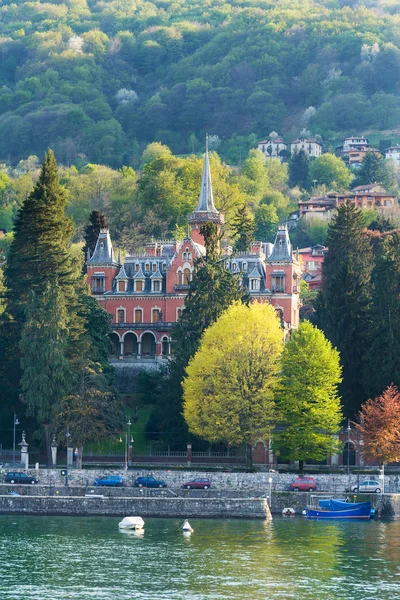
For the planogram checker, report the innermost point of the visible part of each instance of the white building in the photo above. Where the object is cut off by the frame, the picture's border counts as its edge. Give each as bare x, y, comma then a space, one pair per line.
393, 154
272, 146
355, 143
311, 146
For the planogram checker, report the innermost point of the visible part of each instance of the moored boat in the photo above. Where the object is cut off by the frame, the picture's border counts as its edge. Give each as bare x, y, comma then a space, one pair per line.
339, 509
131, 523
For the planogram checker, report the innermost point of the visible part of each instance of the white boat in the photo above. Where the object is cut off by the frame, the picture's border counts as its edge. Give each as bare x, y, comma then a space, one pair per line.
131, 523
186, 527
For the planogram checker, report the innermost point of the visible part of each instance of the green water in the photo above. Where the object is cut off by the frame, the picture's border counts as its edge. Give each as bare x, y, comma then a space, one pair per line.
50, 558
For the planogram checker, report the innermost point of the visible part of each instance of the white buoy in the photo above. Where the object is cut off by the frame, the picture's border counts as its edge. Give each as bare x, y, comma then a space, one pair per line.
288, 512
186, 527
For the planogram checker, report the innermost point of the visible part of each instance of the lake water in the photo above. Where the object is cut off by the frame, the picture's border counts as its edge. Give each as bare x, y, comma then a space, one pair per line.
88, 558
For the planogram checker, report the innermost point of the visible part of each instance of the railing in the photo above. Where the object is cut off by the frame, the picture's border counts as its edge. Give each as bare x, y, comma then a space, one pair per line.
156, 325
181, 287
278, 288
98, 290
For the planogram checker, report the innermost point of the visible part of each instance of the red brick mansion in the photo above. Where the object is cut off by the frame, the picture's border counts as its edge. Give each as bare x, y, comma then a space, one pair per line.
146, 293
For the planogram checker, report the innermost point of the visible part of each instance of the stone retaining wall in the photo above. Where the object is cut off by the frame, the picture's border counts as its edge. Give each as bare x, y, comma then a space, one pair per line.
244, 508
332, 483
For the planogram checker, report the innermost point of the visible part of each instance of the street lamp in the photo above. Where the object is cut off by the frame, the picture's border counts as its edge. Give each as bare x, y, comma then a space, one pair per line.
128, 440
348, 446
16, 422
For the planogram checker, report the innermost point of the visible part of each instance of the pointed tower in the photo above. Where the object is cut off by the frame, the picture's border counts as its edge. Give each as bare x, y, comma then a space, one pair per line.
205, 210
102, 266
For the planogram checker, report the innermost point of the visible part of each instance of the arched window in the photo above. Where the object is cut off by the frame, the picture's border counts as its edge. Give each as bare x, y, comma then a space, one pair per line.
165, 346
178, 313
121, 315
187, 276
179, 276
155, 315
138, 315
154, 267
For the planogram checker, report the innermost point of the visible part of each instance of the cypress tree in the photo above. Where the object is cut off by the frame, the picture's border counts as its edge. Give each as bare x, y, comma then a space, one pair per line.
383, 349
243, 229
298, 169
373, 170
345, 300
97, 221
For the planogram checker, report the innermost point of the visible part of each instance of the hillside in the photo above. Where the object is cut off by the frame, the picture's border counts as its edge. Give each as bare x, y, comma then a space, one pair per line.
98, 80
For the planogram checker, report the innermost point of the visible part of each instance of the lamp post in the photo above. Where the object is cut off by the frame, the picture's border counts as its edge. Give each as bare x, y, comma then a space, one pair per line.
16, 422
348, 451
128, 441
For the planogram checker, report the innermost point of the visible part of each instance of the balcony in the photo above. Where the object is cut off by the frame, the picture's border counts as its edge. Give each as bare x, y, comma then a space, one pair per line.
181, 287
98, 290
159, 325
280, 289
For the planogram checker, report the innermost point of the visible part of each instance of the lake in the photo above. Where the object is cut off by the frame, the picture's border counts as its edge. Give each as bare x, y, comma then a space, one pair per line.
88, 558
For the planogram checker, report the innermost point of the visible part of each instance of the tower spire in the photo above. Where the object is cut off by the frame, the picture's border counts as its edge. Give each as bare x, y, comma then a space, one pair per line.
206, 198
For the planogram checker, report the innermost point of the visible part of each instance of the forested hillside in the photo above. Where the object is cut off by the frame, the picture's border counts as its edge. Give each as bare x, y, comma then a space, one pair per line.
98, 80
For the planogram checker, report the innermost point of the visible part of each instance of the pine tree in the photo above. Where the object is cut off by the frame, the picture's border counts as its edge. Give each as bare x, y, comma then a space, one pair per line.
345, 299
243, 228
298, 169
46, 373
308, 405
97, 221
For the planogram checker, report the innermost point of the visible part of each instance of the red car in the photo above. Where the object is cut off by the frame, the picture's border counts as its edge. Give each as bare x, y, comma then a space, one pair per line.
201, 483
303, 484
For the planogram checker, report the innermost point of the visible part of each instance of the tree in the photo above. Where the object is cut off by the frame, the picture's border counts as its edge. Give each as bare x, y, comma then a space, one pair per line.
344, 303
266, 222
231, 381
298, 169
97, 221
46, 375
90, 414
374, 169
380, 427
243, 229
308, 405
331, 171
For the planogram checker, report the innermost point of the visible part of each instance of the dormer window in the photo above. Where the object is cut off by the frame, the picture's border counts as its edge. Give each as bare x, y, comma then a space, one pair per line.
122, 285
137, 267
244, 266
154, 267
254, 284
139, 285
156, 285
234, 266
147, 267
164, 266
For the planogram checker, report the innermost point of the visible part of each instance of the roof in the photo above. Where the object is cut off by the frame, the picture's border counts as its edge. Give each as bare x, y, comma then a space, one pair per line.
103, 253
156, 274
139, 274
206, 199
309, 140
122, 273
282, 249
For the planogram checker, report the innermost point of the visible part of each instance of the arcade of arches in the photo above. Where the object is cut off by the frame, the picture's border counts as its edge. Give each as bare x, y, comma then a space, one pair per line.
132, 346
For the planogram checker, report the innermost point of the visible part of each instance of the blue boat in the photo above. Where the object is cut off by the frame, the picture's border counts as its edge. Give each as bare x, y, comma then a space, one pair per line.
339, 509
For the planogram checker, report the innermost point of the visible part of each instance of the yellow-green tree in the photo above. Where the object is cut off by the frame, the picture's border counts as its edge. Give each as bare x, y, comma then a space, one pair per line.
231, 381
307, 402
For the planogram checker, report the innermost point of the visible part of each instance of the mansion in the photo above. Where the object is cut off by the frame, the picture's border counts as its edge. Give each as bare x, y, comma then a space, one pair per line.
145, 293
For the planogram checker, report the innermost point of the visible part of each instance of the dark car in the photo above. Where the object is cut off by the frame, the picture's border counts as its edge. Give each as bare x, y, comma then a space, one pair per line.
111, 480
200, 483
17, 477
149, 482
303, 484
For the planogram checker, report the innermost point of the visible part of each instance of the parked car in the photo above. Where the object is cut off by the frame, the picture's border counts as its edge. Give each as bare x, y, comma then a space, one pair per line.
149, 482
200, 483
303, 484
111, 480
369, 485
17, 477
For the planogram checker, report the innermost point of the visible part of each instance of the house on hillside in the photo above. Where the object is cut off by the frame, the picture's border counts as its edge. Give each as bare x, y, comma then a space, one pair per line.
311, 146
354, 149
272, 146
393, 154
311, 260
145, 293
367, 196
